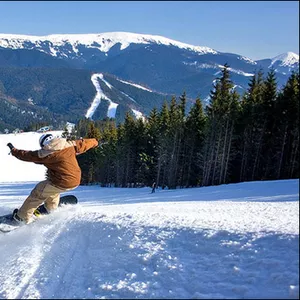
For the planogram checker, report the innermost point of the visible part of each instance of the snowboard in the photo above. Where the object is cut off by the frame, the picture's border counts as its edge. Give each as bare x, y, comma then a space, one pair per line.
5, 220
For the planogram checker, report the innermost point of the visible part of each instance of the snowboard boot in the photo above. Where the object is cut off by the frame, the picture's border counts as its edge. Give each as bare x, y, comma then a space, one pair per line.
16, 220
41, 210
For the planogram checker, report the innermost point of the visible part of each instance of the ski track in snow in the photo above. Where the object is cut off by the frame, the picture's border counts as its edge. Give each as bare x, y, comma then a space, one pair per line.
112, 108
136, 85
137, 114
111, 112
230, 241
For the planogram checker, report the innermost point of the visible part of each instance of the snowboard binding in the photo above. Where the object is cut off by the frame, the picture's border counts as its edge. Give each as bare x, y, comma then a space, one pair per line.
41, 210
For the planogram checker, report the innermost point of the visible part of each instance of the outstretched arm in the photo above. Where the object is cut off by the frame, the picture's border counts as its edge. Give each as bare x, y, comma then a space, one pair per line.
84, 145
31, 156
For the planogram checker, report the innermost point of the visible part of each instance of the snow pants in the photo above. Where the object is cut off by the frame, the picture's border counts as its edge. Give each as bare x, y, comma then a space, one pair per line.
44, 192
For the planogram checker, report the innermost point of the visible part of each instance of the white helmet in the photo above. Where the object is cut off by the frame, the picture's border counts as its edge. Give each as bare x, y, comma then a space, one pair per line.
45, 139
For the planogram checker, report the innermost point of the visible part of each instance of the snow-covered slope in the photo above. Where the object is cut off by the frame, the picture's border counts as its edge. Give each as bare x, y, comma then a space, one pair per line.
136, 85
111, 112
288, 59
236, 241
283, 64
100, 95
232, 241
102, 41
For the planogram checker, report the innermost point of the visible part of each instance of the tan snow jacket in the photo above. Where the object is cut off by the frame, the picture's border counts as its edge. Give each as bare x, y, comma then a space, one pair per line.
59, 156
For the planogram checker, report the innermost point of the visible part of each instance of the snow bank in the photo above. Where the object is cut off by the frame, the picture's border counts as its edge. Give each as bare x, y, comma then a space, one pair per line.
13, 169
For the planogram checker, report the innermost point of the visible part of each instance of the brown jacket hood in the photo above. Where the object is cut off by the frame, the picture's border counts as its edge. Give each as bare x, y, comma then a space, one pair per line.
56, 144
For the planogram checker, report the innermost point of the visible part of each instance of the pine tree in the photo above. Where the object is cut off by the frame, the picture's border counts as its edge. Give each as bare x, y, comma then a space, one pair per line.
221, 114
269, 98
120, 156
129, 150
89, 161
93, 132
181, 151
212, 125
142, 159
107, 153
286, 137
163, 129
193, 145
174, 137
250, 127
152, 136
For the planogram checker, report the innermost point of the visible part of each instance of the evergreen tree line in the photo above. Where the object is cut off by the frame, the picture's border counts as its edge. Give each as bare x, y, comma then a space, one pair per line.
233, 139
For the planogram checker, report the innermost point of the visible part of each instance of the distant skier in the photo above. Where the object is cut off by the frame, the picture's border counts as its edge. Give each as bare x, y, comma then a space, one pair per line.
153, 187
64, 174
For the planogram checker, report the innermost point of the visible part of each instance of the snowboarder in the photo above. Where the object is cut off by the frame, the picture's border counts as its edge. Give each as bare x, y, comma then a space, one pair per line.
64, 173
153, 187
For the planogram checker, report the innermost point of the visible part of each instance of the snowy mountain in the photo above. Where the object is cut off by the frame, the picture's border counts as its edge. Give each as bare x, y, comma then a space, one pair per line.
283, 64
235, 241
57, 45
288, 59
160, 63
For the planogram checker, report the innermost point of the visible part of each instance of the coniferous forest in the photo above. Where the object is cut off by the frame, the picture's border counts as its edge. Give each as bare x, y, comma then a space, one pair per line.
235, 138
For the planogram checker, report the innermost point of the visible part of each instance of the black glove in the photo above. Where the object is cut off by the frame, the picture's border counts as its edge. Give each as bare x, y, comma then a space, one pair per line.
10, 145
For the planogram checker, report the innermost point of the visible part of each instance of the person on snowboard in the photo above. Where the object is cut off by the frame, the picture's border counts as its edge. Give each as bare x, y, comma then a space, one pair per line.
64, 173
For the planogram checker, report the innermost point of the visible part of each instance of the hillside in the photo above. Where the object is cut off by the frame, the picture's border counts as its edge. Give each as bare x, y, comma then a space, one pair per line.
58, 95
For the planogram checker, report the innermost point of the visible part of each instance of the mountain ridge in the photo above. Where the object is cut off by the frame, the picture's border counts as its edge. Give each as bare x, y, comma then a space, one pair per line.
125, 38
55, 96
108, 39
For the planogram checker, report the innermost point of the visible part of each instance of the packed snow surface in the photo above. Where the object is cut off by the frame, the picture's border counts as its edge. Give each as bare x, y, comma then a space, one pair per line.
229, 241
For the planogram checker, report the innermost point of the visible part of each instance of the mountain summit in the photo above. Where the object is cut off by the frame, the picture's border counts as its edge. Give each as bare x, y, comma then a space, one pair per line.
288, 59
102, 41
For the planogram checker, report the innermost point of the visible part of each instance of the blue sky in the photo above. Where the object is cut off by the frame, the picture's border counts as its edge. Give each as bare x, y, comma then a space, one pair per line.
256, 29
